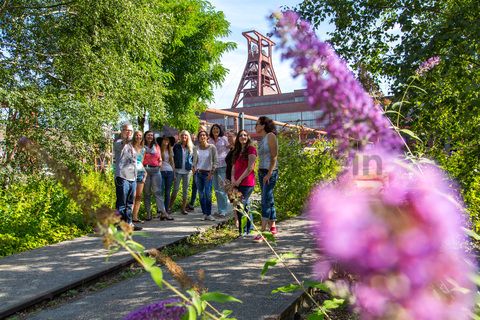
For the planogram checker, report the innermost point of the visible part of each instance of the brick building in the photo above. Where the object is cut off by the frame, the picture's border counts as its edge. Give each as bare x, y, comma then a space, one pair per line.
288, 107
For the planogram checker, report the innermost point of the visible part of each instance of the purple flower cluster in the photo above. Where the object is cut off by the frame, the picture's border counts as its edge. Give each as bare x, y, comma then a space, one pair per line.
401, 243
427, 65
170, 309
350, 113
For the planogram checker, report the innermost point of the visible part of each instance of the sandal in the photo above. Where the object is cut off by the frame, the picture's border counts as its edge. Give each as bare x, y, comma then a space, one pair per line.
138, 221
169, 217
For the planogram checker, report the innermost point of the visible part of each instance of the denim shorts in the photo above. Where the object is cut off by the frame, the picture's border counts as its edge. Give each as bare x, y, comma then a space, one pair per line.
140, 176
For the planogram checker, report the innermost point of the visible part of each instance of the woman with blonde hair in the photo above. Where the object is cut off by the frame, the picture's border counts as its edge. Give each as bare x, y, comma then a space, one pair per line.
138, 145
183, 158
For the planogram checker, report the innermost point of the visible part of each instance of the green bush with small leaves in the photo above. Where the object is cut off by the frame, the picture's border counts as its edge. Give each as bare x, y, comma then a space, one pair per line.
39, 211
300, 168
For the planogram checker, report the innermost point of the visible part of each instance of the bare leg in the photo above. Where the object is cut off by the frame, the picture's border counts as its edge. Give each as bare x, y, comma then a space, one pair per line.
172, 200
138, 200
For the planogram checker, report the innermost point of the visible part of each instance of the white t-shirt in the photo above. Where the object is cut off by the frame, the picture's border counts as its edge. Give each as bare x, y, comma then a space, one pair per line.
182, 170
204, 161
166, 166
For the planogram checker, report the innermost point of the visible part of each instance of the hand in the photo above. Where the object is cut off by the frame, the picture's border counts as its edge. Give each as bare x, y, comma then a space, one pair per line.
266, 179
236, 183
210, 176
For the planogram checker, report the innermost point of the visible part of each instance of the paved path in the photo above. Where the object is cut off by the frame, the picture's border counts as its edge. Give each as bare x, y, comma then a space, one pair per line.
233, 268
32, 276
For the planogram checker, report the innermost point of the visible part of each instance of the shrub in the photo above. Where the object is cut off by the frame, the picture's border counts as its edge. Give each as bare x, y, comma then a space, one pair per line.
40, 211
300, 169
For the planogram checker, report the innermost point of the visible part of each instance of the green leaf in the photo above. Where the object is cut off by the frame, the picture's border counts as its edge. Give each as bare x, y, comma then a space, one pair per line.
269, 263
269, 236
243, 222
148, 261
157, 275
219, 297
410, 133
135, 246
288, 288
317, 285
196, 301
190, 314
333, 304
226, 313
419, 89
288, 255
316, 315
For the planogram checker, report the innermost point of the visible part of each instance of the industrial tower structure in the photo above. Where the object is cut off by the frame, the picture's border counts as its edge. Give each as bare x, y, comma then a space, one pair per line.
258, 77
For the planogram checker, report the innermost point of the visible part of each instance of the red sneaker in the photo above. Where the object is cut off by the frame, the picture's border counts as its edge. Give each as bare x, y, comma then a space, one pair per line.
273, 230
258, 238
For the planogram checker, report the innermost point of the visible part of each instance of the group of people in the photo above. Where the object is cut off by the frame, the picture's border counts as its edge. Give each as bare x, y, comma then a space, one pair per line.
149, 166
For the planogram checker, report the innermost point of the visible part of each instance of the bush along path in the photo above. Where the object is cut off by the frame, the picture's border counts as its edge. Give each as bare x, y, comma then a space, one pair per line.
233, 268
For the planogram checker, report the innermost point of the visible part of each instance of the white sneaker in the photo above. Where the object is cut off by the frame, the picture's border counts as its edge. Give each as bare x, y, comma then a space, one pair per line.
208, 218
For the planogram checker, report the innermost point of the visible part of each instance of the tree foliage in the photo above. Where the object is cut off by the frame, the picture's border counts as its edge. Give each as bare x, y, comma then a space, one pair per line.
71, 69
390, 39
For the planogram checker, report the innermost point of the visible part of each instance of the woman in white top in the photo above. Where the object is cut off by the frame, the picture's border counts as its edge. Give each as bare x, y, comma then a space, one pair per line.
166, 169
218, 139
204, 166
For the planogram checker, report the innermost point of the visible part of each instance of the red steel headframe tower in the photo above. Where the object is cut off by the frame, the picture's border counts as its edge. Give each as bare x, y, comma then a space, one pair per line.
258, 77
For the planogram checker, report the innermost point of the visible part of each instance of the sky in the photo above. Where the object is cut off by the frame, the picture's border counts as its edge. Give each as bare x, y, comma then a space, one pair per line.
246, 15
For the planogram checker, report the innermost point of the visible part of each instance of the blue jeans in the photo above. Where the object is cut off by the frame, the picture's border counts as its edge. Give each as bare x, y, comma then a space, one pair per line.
194, 191
246, 192
167, 182
125, 191
218, 183
268, 205
204, 187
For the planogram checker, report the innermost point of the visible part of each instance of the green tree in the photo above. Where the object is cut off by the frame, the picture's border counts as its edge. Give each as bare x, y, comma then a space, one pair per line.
70, 69
390, 39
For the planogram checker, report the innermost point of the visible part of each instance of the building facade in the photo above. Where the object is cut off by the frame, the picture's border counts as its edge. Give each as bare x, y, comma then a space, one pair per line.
288, 107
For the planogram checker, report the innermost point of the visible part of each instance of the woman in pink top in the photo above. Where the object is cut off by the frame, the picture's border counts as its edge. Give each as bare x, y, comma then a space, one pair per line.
153, 183
243, 176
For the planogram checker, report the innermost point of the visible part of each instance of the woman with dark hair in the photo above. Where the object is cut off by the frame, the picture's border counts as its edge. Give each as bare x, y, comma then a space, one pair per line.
204, 166
166, 170
243, 176
267, 172
153, 183
220, 142
137, 144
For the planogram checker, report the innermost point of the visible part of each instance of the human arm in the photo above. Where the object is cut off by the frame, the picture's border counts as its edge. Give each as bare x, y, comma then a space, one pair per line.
273, 146
214, 157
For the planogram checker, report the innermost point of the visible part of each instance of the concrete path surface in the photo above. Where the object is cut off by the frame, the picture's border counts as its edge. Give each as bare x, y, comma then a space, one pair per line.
233, 268
32, 276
